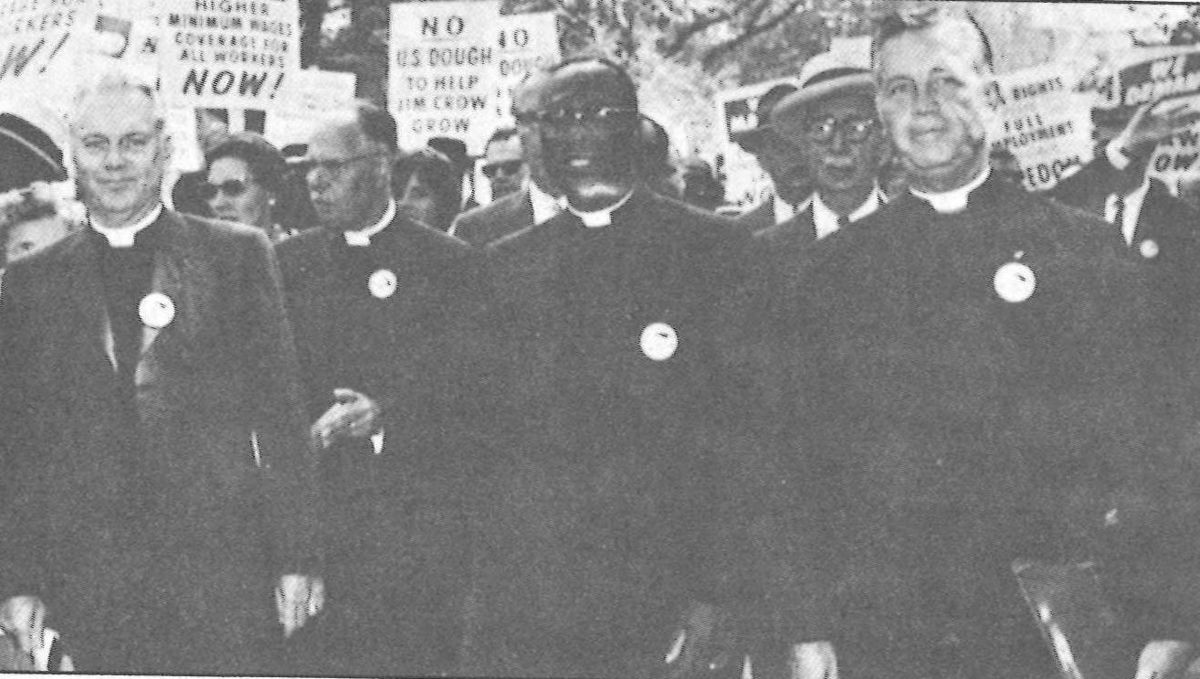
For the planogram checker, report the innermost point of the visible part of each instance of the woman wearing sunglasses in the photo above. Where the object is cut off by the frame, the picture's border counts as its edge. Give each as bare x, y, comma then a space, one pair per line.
246, 183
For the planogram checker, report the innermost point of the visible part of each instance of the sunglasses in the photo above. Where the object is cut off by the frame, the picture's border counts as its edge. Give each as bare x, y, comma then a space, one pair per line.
823, 131
564, 116
232, 188
508, 167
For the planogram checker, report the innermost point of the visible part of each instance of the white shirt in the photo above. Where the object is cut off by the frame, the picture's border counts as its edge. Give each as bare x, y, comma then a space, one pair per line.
1133, 209
362, 238
545, 206
122, 236
598, 218
825, 220
954, 200
785, 210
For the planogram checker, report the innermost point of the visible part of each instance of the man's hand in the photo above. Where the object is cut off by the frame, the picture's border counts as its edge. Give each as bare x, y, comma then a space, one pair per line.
813, 660
354, 415
23, 620
1164, 660
298, 598
1154, 123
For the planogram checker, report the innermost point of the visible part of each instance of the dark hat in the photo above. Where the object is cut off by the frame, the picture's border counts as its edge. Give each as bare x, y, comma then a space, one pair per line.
265, 161
453, 148
764, 111
29, 154
818, 86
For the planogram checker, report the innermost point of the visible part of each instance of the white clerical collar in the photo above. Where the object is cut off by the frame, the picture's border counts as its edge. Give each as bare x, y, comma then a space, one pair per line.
544, 205
1130, 212
362, 238
597, 218
784, 210
825, 220
954, 200
122, 236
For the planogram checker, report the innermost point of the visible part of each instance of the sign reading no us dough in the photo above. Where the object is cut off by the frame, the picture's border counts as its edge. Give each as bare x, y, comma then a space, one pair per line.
453, 64
229, 53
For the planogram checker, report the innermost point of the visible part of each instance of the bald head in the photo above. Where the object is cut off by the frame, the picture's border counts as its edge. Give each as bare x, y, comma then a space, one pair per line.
350, 165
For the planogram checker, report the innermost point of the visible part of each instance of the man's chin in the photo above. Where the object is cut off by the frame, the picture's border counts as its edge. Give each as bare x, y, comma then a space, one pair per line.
596, 195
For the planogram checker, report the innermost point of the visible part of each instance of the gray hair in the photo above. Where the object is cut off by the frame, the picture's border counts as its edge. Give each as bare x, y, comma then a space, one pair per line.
118, 80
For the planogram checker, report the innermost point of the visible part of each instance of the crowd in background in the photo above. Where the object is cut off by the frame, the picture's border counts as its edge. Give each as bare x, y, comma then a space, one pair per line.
604, 424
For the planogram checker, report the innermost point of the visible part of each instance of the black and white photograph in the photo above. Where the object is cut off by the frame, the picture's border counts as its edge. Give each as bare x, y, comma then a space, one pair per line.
600, 339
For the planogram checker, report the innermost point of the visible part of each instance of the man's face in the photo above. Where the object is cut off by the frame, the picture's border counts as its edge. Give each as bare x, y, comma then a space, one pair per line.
590, 135
842, 144
348, 176
503, 166
784, 163
930, 97
120, 152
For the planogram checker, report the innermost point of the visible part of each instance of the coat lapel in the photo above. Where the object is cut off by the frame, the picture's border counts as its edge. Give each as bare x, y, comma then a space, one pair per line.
178, 275
87, 292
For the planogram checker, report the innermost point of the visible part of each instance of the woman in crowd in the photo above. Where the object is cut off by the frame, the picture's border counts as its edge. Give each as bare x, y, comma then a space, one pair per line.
428, 187
245, 183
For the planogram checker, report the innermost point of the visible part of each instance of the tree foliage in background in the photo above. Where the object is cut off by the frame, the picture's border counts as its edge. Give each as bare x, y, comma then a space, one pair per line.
730, 42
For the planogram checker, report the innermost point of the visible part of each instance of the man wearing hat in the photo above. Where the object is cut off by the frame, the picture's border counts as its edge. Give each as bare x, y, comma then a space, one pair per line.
599, 522
780, 159
831, 119
966, 388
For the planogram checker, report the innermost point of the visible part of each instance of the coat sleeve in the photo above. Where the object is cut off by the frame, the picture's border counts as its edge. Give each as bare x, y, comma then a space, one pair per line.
21, 571
289, 465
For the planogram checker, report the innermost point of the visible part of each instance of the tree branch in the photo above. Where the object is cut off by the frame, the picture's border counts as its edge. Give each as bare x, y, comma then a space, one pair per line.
714, 54
698, 25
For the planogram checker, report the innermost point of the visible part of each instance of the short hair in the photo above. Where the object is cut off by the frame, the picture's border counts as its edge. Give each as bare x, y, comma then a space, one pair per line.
623, 79
894, 24
117, 80
501, 134
266, 163
435, 170
376, 124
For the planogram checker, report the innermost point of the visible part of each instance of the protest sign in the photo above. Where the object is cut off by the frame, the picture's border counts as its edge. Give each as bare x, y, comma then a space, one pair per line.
228, 53
442, 71
525, 43
38, 43
1150, 80
307, 96
1038, 117
1178, 158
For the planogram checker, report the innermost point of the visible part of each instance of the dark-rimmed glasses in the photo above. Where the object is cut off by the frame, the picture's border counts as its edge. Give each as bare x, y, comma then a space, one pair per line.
853, 130
232, 188
565, 116
334, 165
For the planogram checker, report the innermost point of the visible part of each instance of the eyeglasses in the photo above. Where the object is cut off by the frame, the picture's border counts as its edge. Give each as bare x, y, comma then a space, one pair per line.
853, 130
232, 188
564, 116
507, 167
334, 165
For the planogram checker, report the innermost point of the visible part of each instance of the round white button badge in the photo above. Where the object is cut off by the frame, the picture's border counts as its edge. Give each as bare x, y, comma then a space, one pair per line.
382, 284
156, 310
659, 341
1014, 282
1148, 248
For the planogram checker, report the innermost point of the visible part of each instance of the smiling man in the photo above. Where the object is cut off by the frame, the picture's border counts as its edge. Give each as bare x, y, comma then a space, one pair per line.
157, 479
962, 387
597, 521
831, 119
